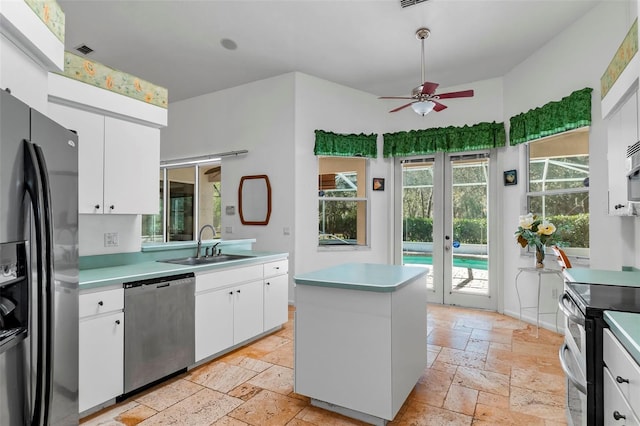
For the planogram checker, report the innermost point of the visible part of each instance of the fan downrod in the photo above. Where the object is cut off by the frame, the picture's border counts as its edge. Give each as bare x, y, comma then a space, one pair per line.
423, 33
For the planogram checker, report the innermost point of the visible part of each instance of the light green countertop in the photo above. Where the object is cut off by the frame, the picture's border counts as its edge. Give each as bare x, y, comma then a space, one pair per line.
602, 276
115, 275
626, 327
362, 276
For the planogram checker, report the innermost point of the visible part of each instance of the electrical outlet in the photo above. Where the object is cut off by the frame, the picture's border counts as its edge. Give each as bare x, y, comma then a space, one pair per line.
554, 293
111, 239
228, 229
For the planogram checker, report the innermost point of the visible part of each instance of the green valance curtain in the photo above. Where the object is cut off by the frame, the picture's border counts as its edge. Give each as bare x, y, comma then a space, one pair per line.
447, 139
571, 112
340, 145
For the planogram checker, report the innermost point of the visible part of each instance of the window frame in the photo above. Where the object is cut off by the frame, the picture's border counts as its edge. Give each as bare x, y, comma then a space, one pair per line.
575, 252
367, 207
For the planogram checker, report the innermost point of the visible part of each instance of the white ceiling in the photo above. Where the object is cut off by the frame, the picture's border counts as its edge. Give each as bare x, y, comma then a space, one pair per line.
368, 45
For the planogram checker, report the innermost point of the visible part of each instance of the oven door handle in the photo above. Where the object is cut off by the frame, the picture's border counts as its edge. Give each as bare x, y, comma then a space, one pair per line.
565, 367
565, 310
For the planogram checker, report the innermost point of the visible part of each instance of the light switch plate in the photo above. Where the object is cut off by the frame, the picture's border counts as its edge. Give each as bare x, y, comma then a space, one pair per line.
230, 210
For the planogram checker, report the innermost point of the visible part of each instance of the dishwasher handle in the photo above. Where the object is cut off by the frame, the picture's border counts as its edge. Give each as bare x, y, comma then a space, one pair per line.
162, 281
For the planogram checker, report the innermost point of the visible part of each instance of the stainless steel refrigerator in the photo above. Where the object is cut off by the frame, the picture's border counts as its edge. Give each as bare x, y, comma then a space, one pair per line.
38, 268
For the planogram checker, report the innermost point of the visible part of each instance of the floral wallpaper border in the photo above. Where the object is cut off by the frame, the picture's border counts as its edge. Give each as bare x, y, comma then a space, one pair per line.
626, 51
51, 14
99, 75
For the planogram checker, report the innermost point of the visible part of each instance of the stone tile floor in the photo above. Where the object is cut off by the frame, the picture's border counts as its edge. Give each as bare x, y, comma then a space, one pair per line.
483, 369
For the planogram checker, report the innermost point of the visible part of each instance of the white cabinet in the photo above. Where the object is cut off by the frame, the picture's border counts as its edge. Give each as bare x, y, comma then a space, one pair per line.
621, 383
118, 162
29, 49
101, 347
234, 305
229, 308
132, 162
276, 294
622, 131
247, 311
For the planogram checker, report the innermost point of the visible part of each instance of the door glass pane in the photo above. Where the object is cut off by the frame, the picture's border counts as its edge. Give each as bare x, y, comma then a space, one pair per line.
469, 242
181, 204
417, 216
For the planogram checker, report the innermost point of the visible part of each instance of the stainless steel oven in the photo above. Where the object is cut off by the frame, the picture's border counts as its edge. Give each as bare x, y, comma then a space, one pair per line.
573, 361
583, 306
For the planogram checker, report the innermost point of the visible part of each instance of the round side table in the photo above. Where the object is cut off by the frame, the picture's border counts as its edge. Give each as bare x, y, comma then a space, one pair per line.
540, 272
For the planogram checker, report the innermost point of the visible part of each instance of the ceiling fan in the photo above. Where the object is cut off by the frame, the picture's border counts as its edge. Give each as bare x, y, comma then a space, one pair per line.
424, 98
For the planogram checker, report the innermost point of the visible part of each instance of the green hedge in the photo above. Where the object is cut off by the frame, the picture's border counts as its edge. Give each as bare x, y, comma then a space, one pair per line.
572, 230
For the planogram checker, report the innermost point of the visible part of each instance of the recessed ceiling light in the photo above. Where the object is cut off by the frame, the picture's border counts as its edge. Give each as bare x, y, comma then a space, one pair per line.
228, 44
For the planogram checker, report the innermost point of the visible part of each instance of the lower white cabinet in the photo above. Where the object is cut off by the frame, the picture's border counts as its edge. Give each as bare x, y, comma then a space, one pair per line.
238, 304
621, 383
227, 317
276, 299
101, 347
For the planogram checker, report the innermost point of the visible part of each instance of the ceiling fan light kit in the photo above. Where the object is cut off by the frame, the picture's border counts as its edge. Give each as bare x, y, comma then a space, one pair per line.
423, 108
424, 98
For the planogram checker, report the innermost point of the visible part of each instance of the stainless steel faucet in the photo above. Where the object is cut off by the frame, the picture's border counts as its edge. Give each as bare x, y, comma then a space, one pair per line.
200, 238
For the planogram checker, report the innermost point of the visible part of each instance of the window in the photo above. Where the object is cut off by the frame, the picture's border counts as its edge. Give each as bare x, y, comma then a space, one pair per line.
559, 186
342, 201
193, 200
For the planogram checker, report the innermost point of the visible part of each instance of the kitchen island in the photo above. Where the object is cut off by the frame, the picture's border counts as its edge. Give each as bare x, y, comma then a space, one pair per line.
360, 338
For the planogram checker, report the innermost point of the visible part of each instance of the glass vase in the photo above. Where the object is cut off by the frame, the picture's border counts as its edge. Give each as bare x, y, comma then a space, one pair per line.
539, 258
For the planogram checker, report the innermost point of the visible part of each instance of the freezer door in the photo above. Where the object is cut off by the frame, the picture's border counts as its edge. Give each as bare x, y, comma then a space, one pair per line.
14, 128
59, 150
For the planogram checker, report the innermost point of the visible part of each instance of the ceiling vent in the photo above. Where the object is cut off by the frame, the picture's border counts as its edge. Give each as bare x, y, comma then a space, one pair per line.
84, 49
407, 3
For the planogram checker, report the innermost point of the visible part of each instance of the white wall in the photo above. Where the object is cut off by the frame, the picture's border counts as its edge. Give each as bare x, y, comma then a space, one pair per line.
323, 105
93, 226
573, 60
258, 117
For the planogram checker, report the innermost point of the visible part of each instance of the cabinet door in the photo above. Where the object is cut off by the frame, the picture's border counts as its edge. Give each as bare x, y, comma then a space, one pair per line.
131, 164
276, 299
622, 131
247, 311
90, 130
101, 359
214, 322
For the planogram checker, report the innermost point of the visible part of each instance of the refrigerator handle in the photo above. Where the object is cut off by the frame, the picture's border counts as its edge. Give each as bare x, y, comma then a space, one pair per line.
39, 195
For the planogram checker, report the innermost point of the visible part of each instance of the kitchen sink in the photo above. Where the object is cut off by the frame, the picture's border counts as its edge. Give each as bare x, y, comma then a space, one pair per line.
191, 261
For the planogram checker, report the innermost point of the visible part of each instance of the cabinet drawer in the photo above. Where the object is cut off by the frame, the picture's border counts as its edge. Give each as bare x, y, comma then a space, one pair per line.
622, 365
615, 404
100, 302
278, 267
218, 279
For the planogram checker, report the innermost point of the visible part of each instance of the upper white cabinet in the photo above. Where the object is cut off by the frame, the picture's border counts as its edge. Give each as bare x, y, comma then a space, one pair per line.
622, 131
29, 49
132, 161
118, 162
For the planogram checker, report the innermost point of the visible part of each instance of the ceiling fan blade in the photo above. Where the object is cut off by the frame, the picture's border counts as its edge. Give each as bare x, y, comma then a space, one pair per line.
429, 88
395, 97
401, 107
460, 94
438, 106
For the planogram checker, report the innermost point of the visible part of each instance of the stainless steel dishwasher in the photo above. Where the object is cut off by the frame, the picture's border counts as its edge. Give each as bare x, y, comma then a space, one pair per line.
159, 324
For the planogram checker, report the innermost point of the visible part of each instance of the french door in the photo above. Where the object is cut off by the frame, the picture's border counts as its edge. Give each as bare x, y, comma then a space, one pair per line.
444, 211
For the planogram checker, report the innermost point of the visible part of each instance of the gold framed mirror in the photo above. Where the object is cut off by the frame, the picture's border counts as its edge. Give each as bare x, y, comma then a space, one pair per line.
254, 200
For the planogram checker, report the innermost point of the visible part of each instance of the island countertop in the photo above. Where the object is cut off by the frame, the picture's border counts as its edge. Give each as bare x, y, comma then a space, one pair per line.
362, 276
